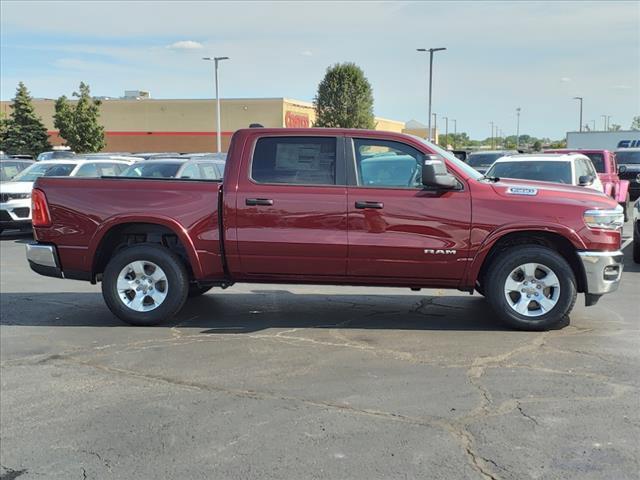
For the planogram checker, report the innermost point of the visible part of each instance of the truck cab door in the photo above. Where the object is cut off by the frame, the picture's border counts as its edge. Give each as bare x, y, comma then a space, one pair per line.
400, 232
291, 211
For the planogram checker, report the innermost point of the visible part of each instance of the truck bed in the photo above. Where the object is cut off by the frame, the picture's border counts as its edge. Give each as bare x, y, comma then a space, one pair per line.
85, 210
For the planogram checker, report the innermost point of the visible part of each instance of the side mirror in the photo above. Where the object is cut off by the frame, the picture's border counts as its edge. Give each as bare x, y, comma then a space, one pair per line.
435, 175
585, 180
622, 168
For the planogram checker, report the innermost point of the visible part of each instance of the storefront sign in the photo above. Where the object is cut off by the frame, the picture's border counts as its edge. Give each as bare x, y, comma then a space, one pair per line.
296, 120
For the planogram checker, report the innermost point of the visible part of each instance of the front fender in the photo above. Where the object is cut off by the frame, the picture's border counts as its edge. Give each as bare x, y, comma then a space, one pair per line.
491, 239
623, 191
164, 221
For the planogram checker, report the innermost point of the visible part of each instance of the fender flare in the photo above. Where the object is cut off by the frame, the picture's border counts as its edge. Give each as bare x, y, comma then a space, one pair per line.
168, 222
490, 241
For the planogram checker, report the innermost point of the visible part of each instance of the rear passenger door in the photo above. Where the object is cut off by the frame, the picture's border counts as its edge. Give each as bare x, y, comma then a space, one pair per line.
291, 211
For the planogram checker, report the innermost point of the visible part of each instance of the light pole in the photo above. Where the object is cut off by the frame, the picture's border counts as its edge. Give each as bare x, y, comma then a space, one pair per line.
455, 131
491, 123
216, 60
581, 99
608, 122
518, 127
430, 50
446, 131
435, 128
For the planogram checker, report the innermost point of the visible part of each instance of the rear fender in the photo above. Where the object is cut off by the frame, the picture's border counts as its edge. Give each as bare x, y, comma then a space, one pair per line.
167, 222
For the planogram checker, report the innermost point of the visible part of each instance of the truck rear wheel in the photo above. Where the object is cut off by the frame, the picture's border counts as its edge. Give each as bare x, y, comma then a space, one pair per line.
531, 287
145, 284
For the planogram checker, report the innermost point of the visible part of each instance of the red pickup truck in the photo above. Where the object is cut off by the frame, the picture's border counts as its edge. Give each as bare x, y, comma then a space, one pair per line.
330, 206
605, 164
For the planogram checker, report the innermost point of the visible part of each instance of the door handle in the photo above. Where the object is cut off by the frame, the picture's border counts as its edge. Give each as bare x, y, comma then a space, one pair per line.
258, 201
378, 205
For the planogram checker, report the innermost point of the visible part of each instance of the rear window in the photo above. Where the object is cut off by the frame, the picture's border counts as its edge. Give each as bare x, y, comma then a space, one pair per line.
546, 171
295, 160
483, 159
44, 170
153, 170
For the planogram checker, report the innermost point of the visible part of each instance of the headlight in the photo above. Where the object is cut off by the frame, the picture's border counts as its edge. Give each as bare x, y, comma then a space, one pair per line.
610, 219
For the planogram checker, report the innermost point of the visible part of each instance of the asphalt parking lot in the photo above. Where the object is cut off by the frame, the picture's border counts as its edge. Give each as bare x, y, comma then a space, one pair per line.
303, 382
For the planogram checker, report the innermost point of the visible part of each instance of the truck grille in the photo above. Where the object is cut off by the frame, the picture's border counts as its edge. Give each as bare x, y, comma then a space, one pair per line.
4, 197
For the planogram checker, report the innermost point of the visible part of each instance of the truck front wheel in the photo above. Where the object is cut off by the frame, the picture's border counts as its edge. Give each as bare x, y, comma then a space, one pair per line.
145, 284
531, 287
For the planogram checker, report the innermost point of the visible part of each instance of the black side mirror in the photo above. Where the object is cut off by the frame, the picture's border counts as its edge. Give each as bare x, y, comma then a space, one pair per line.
585, 180
435, 175
622, 168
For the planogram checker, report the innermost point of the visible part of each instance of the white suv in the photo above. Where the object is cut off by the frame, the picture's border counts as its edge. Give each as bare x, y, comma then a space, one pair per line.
15, 195
568, 168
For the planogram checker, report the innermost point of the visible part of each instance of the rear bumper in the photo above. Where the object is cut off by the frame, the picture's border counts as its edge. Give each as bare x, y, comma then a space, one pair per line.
603, 271
43, 259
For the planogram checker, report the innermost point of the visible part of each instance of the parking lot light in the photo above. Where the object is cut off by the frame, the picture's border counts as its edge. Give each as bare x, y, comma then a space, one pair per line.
216, 60
581, 99
518, 127
430, 50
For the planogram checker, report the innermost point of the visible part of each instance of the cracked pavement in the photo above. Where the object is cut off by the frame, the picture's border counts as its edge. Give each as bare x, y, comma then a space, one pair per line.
306, 382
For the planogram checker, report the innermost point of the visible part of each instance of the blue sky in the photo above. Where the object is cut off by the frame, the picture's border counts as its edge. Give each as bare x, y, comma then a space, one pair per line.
501, 55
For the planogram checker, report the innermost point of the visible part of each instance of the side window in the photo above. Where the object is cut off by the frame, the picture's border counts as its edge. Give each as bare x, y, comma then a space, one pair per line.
208, 171
190, 171
87, 170
295, 160
582, 169
381, 163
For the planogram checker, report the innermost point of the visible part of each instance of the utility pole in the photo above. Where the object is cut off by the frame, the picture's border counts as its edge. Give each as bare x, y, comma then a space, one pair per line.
581, 99
216, 60
430, 50
491, 135
518, 127
455, 132
435, 128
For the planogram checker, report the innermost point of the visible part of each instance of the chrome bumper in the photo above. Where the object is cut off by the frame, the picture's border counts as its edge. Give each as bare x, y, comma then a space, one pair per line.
43, 259
602, 271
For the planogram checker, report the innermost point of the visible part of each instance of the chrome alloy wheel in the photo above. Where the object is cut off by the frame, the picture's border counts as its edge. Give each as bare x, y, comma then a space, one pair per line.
532, 289
142, 286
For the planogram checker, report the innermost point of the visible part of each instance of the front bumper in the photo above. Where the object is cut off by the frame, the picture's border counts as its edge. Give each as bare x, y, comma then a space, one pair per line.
15, 213
43, 259
603, 271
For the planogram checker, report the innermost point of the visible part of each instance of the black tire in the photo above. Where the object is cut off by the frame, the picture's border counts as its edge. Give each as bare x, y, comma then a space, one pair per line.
196, 291
625, 206
512, 258
177, 283
636, 244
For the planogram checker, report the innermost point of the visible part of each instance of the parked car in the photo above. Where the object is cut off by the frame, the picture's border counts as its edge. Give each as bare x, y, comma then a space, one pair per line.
10, 167
461, 154
568, 168
481, 161
297, 206
629, 158
55, 155
606, 167
636, 229
15, 195
198, 169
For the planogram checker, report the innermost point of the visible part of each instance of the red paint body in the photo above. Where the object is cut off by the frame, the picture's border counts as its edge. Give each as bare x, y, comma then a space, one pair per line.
313, 234
613, 186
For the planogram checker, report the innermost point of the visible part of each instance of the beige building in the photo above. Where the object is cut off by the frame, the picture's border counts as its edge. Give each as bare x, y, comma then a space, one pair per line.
137, 125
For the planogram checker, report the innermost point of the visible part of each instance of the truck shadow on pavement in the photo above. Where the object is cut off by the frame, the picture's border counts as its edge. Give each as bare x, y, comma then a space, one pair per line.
227, 312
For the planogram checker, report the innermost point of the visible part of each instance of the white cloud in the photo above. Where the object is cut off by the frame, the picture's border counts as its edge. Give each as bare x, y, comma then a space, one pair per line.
185, 45
565, 79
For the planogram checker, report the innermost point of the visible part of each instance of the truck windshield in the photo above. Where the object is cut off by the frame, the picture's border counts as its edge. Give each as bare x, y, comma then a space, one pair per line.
628, 157
598, 161
37, 170
544, 171
471, 172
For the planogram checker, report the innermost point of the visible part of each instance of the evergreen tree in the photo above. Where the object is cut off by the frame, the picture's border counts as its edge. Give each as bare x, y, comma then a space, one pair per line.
23, 132
78, 124
344, 98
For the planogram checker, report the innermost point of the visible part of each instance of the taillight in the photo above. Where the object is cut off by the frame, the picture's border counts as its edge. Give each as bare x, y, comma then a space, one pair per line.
40, 216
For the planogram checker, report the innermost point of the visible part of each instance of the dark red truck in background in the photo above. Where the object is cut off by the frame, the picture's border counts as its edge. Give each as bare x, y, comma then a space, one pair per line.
331, 206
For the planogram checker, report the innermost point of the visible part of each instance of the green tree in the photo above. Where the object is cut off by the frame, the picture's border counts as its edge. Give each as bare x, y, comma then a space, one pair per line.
78, 123
635, 123
537, 146
344, 98
23, 132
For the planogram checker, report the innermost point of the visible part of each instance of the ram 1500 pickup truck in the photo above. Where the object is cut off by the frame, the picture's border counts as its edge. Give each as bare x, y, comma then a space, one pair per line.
331, 206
